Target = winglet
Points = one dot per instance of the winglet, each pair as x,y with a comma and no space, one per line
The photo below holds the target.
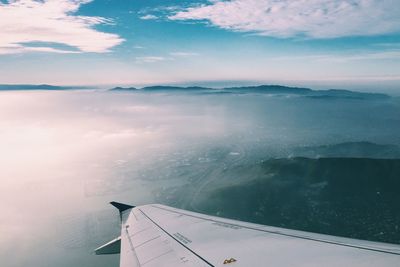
112,247
121,207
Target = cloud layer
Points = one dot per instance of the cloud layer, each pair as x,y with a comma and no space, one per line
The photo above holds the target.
304,18
47,22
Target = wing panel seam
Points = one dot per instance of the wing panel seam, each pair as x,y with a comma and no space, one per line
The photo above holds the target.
176,239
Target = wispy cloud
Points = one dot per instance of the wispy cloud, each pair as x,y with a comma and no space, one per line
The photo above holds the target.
385,55
148,17
343,58
183,54
51,21
168,57
22,49
293,18
151,59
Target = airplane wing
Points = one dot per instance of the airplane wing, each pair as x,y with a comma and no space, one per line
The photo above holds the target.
158,235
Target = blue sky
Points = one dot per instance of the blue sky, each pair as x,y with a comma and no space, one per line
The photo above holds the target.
334,43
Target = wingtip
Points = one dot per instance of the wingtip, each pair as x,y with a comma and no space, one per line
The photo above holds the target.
121,206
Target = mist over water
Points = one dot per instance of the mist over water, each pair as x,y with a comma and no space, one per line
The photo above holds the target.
66,154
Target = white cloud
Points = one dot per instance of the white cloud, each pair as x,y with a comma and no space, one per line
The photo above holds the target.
51,22
292,18
148,17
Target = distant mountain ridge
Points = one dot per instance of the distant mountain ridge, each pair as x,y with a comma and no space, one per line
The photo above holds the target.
262,89
278,89
37,87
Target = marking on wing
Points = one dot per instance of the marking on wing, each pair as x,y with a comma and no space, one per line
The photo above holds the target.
228,261
283,234
227,225
177,240
182,238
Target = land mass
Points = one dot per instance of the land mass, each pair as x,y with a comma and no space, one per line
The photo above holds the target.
262,89
349,150
352,197
349,189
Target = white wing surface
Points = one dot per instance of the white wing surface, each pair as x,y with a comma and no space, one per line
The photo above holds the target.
157,235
